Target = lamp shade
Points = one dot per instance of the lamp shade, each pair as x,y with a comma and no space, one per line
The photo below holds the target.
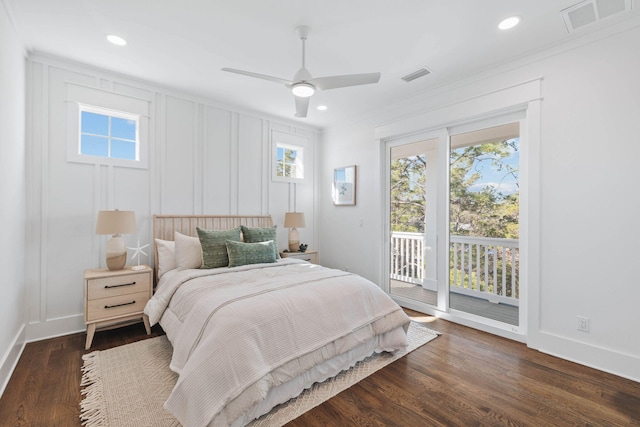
116,222
294,220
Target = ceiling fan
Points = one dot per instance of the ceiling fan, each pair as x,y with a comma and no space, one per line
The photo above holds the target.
303,85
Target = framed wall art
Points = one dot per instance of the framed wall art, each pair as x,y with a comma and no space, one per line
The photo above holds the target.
344,186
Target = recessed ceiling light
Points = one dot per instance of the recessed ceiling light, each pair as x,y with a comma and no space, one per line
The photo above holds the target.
117,40
510,22
322,107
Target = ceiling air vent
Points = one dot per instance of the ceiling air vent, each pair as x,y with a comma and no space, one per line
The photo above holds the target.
416,74
589,11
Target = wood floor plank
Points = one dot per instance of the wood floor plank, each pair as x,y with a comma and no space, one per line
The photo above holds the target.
24,386
464,377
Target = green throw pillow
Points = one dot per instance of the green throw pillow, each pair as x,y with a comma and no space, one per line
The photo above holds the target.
250,253
214,249
260,234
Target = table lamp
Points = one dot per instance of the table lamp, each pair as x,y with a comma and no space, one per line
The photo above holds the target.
294,220
116,223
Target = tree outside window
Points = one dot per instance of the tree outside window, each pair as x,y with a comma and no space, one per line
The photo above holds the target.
289,164
484,188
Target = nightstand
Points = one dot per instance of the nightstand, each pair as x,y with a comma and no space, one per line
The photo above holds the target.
114,298
310,256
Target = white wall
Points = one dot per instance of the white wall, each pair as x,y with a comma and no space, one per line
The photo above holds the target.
352,239
589,201
12,196
204,158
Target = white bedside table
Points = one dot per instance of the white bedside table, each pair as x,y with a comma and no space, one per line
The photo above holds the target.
114,298
310,256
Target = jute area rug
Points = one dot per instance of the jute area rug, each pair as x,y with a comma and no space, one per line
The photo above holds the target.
126,386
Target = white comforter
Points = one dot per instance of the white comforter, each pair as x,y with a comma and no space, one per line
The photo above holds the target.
239,332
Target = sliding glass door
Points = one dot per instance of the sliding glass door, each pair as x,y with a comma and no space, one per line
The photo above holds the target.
484,222
412,174
453,222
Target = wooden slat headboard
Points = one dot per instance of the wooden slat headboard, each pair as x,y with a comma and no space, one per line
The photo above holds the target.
164,226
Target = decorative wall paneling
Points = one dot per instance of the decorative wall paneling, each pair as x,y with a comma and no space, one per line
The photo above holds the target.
203,158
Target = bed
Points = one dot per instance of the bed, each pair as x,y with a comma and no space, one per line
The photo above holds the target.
251,334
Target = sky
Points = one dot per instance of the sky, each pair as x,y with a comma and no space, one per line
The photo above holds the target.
506,184
107,136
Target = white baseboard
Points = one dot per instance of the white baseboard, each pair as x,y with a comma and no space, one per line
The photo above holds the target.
51,328
603,359
11,357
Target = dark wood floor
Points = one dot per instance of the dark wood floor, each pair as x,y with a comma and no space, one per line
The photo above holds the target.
463,378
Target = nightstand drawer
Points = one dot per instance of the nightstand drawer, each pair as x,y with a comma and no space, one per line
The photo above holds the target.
116,306
304,257
309,256
118,285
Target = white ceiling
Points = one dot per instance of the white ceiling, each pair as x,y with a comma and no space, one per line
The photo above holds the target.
183,44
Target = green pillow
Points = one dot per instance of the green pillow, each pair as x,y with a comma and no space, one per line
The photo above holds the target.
250,253
214,249
260,234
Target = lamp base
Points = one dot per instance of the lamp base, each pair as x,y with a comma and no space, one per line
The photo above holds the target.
294,245
294,240
116,253
116,261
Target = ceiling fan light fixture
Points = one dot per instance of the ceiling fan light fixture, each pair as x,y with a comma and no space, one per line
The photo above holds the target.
304,85
303,90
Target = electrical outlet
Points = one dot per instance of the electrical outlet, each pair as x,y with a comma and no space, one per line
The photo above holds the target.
584,323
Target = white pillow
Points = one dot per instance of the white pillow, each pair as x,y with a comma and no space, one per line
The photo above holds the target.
166,256
188,252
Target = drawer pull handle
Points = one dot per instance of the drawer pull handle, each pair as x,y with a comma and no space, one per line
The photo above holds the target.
117,286
119,305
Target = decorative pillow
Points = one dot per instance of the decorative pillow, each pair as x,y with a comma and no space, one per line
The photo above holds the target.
250,253
214,250
166,250
260,234
188,252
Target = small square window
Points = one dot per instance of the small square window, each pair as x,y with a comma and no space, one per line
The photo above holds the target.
287,159
109,134
106,128
289,162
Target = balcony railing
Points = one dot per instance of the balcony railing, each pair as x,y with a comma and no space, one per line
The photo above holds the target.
407,257
486,266
481,267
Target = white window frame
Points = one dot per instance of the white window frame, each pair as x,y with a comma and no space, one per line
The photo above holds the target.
289,142
83,98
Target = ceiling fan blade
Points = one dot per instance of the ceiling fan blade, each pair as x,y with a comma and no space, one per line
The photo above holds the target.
259,76
334,82
302,106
